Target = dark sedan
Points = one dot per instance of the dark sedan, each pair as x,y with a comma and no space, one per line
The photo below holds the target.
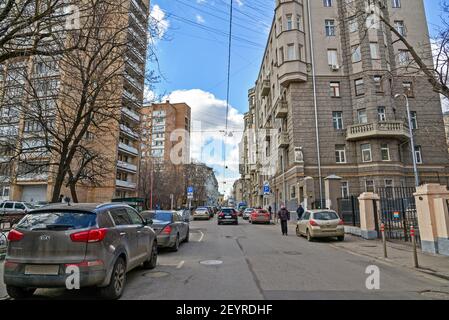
171,227
228,215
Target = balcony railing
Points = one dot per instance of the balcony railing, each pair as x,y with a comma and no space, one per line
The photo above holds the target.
383,129
128,149
125,184
281,110
126,166
129,132
266,88
283,140
292,71
131,114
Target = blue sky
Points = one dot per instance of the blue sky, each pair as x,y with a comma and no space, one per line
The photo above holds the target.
193,61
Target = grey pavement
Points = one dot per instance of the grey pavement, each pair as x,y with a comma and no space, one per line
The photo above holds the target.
259,263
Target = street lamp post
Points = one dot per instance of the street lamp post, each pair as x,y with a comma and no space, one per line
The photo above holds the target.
412,140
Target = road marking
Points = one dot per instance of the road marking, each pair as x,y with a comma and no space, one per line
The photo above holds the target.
179,266
202,236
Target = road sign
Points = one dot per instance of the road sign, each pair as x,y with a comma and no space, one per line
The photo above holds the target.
266,189
190,193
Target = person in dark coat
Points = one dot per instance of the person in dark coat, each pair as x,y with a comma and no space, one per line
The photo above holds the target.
300,212
284,216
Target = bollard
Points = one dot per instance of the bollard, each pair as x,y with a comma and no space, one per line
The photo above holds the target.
415,252
384,240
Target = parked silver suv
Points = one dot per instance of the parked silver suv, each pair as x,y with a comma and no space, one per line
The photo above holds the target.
15,207
103,241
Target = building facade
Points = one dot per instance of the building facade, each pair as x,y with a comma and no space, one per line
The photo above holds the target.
324,108
121,146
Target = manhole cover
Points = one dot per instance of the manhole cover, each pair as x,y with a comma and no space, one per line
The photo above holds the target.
211,262
292,253
436,294
157,274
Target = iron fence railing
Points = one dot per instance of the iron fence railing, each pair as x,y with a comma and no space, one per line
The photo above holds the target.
348,209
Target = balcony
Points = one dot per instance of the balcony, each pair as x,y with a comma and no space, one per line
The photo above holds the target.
126,166
281,109
265,88
131,114
128,149
386,129
128,132
32,177
125,184
283,140
292,71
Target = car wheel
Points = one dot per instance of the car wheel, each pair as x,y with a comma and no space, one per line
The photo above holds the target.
175,247
19,293
152,262
187,239
117,284
341,238
309,237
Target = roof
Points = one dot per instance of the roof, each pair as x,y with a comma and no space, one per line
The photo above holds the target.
320,210
79,206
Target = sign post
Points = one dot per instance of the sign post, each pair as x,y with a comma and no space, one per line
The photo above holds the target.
190,195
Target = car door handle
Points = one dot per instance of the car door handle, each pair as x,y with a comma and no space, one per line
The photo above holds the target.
140,231
122,234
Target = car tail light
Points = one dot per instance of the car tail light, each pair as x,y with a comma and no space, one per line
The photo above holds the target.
341,222
94,263
314,223
166,230
15,235
266,214
95,235
10,265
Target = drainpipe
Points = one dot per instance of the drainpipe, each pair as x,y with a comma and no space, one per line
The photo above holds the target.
315,102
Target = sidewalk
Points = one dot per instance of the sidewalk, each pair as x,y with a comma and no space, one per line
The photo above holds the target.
399,253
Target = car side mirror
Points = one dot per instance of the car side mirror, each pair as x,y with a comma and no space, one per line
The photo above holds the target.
148,222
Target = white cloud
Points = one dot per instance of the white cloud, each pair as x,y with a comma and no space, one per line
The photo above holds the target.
208,126
159,21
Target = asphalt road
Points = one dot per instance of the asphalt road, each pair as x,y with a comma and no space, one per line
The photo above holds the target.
257,262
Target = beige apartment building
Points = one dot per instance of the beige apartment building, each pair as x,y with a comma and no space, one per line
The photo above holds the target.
121,146
323,109
166,132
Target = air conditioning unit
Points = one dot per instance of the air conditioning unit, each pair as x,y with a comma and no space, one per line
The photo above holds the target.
335,67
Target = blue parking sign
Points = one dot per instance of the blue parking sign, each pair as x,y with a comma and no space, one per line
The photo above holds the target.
190,190
266,189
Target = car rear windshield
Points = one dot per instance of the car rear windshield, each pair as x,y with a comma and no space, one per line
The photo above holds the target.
62,220
163,216
227,211
262,211
325,215
201,209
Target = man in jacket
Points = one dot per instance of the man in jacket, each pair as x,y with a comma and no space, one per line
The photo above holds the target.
284,216
300,212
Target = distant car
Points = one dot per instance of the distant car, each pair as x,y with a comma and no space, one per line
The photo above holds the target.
15,207
260,216
171,227
201,213
320,224
41,204
228,215
104,241
247,213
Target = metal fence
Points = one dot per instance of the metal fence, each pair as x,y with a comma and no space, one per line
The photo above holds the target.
398,213
348,209
319,204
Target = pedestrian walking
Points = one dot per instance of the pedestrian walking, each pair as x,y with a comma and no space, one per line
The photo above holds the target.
270,211
284,216
300,211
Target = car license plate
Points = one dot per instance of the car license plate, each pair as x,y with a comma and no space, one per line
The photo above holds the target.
228,217
45,270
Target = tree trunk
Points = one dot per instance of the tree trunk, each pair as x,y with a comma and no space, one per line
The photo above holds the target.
73,192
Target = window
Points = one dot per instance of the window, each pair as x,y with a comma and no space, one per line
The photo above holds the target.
359,87
366,153
120,217
356,54
414,119
327,3
332,57
292,192
335,89
280,25
389,183
403,57
345,189
340,154
381,114
291,52
298,22
337,119
418,154
330,27
281,55
135,218
369,186
385,152
361,116
378,84
374,49
400,27
396,3
289,22
353,25
408,89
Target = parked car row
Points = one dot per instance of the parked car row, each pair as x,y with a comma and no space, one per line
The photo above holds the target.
103,241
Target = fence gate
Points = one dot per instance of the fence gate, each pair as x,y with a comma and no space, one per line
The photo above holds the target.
348,208
398,212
